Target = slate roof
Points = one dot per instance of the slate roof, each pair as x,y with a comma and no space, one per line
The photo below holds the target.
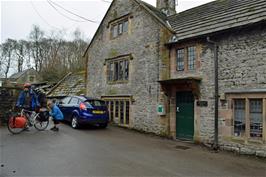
71,84
156,11
217,16
19,74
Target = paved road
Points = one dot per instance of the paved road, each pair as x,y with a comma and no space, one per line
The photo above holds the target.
114,152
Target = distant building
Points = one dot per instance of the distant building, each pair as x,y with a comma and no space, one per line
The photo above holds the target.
26,76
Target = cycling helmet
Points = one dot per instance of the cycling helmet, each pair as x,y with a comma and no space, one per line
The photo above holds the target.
27,85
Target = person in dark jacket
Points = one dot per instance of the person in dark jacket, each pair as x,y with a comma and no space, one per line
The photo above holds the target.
56,114
28,99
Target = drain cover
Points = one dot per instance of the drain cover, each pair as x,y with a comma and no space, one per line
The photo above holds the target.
182,147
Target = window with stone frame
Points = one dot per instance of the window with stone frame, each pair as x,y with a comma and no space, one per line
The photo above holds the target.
118,70
118,109
186,58
119,28
254,125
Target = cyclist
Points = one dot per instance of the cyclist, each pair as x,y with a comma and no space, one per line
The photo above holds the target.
28,99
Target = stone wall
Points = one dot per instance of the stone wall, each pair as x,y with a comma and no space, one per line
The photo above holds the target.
242,66
8,98
143,43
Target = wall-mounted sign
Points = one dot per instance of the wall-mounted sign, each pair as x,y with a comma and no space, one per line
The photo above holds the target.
202,103
160,110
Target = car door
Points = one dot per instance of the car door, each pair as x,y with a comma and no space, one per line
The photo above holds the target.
63,104
67,109
73,105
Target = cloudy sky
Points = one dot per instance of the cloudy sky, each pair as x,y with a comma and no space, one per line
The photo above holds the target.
17,17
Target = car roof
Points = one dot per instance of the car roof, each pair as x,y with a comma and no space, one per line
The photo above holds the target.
86,98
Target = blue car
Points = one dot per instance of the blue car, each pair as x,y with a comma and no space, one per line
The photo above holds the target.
81,110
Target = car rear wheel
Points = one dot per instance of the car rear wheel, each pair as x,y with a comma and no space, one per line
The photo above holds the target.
74,122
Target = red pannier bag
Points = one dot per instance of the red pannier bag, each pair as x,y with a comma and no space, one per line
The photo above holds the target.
18,122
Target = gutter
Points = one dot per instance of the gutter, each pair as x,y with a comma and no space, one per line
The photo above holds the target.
216,94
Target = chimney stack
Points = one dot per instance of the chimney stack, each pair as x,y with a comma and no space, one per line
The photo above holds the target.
167,6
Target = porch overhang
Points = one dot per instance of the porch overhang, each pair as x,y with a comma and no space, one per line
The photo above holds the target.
180,80
182,84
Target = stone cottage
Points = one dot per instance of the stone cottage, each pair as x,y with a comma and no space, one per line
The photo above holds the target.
123,62
197,75
26,76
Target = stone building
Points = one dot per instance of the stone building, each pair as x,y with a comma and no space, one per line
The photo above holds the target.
167,60
124,58
26,76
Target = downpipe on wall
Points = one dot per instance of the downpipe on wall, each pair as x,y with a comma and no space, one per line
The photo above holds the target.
216,94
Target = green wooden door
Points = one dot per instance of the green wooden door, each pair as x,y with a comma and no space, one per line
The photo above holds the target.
184,115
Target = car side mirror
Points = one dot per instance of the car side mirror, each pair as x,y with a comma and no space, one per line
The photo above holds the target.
60,103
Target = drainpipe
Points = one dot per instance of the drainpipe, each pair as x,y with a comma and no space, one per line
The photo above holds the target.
216,94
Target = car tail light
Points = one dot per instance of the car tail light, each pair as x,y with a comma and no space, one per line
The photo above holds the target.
82,106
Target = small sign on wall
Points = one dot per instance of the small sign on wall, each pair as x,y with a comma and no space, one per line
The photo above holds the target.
161,110
202,103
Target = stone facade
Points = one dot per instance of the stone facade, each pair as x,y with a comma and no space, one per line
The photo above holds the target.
242,67
26,76
152,49
145,43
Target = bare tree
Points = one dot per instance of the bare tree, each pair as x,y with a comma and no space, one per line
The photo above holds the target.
6,56
36,35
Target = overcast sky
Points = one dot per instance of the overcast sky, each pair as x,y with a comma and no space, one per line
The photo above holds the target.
17,17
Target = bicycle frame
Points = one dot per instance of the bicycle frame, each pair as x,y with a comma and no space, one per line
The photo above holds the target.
29,116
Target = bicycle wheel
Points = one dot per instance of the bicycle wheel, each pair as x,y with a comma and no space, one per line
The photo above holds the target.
12,128
40,125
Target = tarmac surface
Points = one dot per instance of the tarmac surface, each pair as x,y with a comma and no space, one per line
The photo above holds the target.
114,152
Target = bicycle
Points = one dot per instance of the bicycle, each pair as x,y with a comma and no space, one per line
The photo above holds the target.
31,118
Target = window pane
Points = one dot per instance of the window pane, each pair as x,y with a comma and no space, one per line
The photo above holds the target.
121,112
66,100
111,110
239,117
180,59
74,101
116,70
115,31
126,69
121,68
255,107
191,58
95,102
120,28
109,71
125,26
127,112
116,108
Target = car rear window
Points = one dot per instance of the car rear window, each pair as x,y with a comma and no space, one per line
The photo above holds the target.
96,102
